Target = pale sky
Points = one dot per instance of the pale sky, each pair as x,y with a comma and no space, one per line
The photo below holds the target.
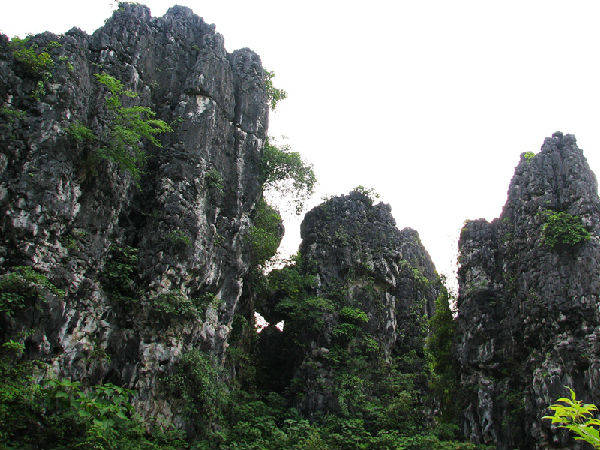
429,102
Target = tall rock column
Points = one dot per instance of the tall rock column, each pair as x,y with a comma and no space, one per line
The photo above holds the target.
362,317
528,306
151,267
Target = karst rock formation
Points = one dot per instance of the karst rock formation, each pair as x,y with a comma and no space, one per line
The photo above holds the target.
360,265
528,316
181,230
130,273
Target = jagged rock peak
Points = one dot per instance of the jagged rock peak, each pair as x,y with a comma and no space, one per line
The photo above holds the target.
364,230
363,265
528,316
178,235
557,178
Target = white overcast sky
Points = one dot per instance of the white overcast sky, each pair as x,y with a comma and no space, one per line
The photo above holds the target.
429,102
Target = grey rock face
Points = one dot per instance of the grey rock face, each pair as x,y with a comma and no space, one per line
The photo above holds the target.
528,313
187,220
361,260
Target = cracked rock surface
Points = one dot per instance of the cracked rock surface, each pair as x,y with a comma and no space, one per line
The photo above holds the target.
359,260
528,315
186,221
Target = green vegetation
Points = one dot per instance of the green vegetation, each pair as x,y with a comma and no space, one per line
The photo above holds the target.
353,315
80,132
36,62
274,94
22,288
528,155
121,282
214,180
175,305
179,239
224,416
197,385
561,229
39,91
373,401
12,114
284,171
61,414
578,418
126,128
119,277
265,234
445,379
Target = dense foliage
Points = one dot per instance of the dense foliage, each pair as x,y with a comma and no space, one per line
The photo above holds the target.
285,172
23,288
61,414
561,229
265,234
126,127
36,63
373,402
578,418
440,344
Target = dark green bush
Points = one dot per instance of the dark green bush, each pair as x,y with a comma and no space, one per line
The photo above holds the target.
12,114
214,180
440,341
120,277
126,128
353,315
197,384
180,239
61,414
37,62
265,234
24,287
175,305
285,172
561,229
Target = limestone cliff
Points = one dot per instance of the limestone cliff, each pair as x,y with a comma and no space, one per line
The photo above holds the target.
175,243
107,276
528,313
362,317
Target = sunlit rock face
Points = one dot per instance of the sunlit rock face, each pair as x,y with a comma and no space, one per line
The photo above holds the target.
68,217
360,261
528,312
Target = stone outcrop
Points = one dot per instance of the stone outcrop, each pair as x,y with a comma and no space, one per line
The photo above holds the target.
528,314
112,278
85,224
359,262
353,243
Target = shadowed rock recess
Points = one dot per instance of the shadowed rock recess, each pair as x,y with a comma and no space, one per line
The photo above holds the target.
175,241
528,314
151,282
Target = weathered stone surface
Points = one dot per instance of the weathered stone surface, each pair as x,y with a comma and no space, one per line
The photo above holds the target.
63,219
528,314
359,259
